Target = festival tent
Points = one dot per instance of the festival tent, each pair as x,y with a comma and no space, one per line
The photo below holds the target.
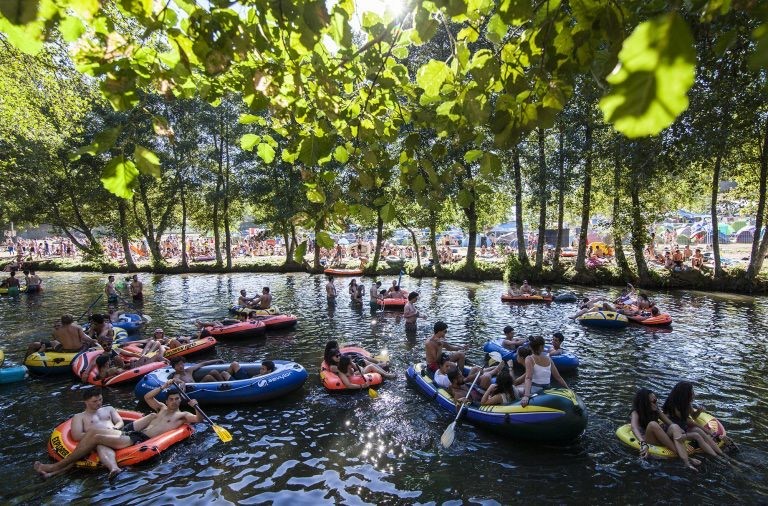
683,239
504,228
746,234
508,239
738,225
725,228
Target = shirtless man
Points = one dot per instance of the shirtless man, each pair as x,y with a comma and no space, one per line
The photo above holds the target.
185,374
434,348
67,337
398,293
510,341
375,295
168,417
526,289
244,300
410,313
98,416
100,327
330,290
34,283
109,290
137,289
265,301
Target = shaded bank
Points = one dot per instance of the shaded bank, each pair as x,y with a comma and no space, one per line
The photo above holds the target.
734,279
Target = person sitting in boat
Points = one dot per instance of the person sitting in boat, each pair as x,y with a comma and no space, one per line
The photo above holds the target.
67,337
244,300
539,371
100,327
511,342
185,374
651,426
459,387
627,296
557,343
644,303
434,348
167,417
236,373
526,289
392,288
398,293
501,392
547,292
264,301
441,375
679,409
596,307
347,369
513,290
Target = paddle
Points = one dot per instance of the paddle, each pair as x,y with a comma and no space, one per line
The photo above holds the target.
89,308
145,317
223,433
449,435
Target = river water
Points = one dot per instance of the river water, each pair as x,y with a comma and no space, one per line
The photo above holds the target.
313,447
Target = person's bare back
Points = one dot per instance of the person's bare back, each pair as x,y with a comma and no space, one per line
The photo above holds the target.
71,337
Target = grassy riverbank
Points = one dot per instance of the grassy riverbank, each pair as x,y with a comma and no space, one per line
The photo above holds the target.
733,281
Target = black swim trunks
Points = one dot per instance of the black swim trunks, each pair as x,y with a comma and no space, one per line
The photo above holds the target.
136,435
240,374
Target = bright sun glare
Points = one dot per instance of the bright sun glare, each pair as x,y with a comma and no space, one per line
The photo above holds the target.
393,7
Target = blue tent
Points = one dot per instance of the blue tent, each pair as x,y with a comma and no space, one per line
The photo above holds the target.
504,228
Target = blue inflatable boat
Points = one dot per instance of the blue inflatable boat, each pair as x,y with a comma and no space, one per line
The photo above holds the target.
287,377
12,374
565,362
130,322
566,297
555,415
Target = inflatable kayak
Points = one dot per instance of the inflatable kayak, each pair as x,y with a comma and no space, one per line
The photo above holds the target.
626,436
565,297
277,322
287,377
565,362
331,380
505,297
192,347
83,360
250,311
130,322
61,444
12,374
662,319
344,272
50,362
239,330
555,415
604,320
392,304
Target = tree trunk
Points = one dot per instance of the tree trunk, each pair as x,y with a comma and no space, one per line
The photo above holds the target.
318,228
638,232
560,198
149,229
413,239
183,198
522,253
288,247
758,247
433,241
471,214
542,202
227,232
124,240
379,233
618,247
713,213
586,200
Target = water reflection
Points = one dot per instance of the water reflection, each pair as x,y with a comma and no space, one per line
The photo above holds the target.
318,447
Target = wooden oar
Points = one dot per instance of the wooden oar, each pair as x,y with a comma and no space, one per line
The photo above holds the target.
223,433
449,435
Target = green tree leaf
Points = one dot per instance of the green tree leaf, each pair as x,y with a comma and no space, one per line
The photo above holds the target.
248,141
431,76
147,161
388,212
118,176
266,152
324,240
340,154
650,85
301,250
472,155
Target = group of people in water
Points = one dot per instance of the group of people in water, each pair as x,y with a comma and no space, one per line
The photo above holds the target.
629,303
32,281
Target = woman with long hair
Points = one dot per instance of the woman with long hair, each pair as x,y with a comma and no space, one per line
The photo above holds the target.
678,407
539,371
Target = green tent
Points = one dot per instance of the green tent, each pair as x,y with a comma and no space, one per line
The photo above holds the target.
725,228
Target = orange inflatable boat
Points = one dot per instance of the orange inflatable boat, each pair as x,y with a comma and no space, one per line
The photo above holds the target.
82,361
61,444
331,380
